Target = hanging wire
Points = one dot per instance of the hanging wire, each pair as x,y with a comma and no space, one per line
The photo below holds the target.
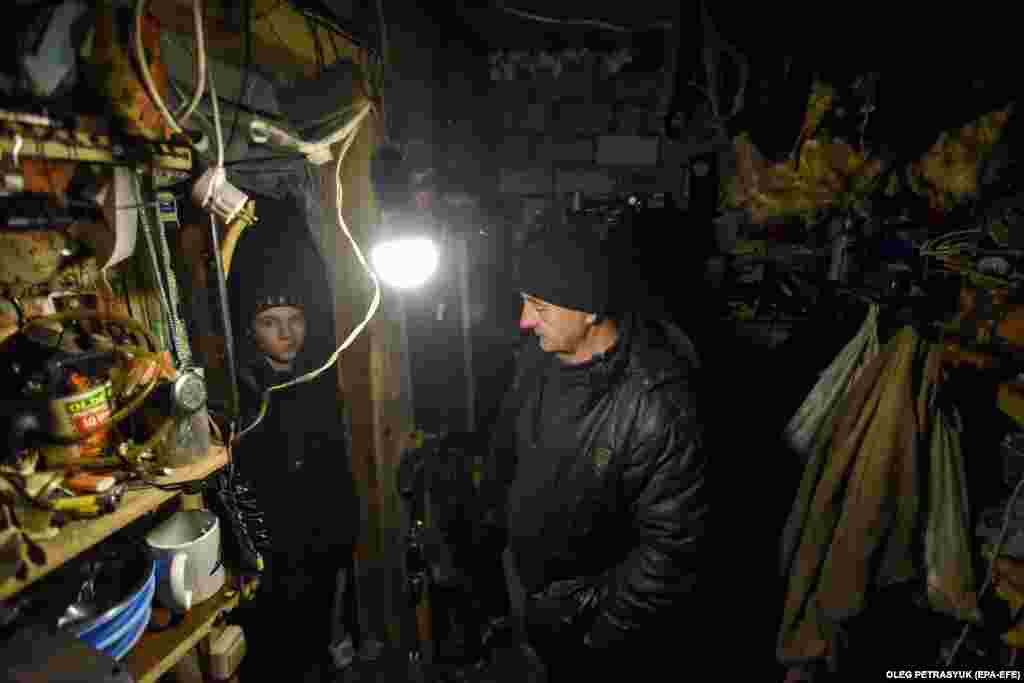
378,78
595,23
317,48
374,303
330,24
243,95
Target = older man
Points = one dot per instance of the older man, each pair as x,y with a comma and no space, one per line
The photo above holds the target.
595,478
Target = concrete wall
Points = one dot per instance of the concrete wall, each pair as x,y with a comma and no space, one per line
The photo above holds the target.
584,128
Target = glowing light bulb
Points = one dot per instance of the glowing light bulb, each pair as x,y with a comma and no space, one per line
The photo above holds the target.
405,263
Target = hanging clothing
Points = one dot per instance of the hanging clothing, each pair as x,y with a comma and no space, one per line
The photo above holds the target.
818,409
856,523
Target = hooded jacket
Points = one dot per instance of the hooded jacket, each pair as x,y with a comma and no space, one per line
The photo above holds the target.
298,456
297,459
623,512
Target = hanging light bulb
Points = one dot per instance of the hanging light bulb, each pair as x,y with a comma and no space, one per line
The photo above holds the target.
405,255
405,262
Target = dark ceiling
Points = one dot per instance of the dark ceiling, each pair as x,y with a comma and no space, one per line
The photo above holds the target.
867,33
938,68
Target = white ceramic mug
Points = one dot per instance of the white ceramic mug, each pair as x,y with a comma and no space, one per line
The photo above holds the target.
187,550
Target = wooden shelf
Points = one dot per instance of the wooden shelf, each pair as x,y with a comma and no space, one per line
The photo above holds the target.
78,536
158,651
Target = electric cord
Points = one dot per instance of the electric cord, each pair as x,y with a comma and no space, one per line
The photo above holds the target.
383,58
216,121
219,262
147,77
222,299
330,24
383,31
595,23
371,311
954,248
199,66
264,132
317,46
244,93
265,160
240,106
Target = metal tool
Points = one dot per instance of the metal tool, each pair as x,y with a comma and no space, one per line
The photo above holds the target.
90,505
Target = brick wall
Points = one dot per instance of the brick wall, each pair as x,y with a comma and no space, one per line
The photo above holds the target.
581,130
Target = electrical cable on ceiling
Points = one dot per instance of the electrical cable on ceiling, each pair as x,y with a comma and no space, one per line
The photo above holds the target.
596,23
147,77
383,31
319,151
383,59
348,133
334,46
330,23
265,160
243,95
252,111
199,65
318,48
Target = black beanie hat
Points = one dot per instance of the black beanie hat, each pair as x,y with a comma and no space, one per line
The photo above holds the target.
568,266
273,265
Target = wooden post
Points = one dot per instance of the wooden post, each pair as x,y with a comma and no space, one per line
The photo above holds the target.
370,375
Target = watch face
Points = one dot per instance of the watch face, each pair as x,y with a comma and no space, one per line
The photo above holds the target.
190,392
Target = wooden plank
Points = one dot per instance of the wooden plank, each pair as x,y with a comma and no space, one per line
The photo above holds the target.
370,374
158,651
33,143
78,536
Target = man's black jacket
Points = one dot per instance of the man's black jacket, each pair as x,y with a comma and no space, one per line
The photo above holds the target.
631,494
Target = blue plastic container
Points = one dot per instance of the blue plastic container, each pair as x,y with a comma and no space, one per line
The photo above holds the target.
106,632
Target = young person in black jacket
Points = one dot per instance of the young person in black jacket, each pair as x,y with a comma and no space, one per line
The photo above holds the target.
297,461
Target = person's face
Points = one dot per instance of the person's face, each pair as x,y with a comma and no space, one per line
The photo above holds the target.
559,330
280,332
